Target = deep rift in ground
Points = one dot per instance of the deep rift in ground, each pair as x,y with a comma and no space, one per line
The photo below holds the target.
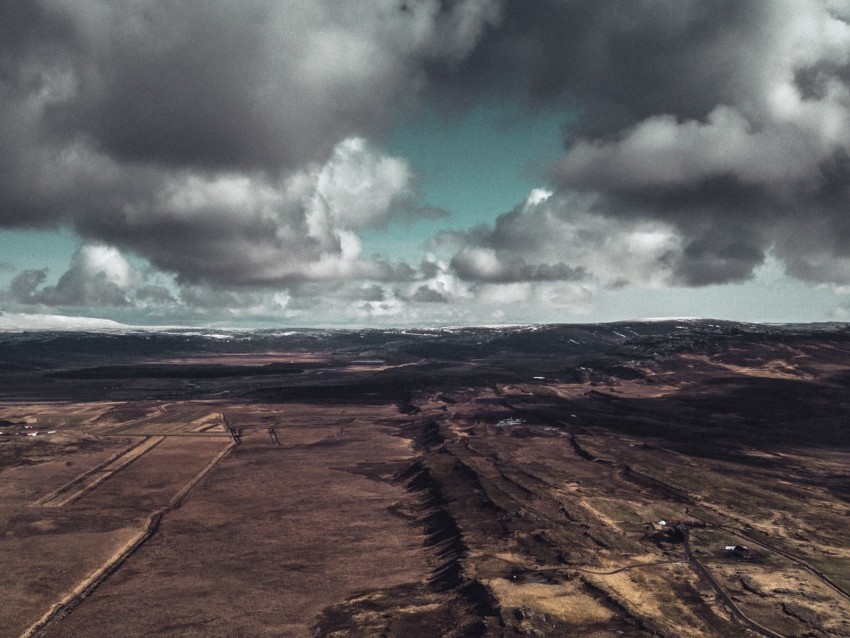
467,496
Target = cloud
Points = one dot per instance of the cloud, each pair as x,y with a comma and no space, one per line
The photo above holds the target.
727,122
98,276
225,143
157,296
483,264
237,148
240,229
623,61
424,294
25,283
262,84
560,239
248,228
100,280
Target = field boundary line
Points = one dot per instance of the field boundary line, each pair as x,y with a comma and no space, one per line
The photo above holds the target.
77,595
81,477
234,434
177,500
702,570
273,436
624,569
122,463
80,592
118,428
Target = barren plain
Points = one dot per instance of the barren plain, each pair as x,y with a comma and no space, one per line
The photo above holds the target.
675,479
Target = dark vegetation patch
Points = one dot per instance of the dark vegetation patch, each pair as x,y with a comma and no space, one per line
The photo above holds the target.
353,393
715,417
180,371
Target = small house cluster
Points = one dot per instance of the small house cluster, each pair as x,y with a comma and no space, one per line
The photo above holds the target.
738,551
671,531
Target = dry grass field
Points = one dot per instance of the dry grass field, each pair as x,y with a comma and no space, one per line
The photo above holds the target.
373,496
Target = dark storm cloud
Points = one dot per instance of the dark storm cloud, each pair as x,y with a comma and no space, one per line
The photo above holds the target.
424,294
156,295
726,121
225,142
85,283
228,143
719,261
561,238
486,267
617,61
255,83
25,283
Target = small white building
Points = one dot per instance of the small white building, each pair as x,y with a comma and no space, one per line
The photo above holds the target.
738,551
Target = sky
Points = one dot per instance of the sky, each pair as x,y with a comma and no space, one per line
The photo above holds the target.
424,162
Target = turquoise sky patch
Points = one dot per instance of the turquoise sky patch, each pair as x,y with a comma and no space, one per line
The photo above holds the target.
36,249
475,168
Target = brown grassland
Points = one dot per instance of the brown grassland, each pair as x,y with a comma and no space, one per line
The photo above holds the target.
586,503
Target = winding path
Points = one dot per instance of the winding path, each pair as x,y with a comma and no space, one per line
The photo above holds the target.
706,575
